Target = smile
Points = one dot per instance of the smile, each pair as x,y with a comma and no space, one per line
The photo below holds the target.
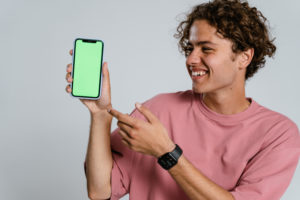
199,73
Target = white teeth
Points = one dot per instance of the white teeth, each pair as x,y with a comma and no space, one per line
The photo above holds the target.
200,73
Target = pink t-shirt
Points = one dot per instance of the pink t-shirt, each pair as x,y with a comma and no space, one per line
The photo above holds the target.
252,154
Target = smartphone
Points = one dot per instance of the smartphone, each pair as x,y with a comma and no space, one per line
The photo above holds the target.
87,68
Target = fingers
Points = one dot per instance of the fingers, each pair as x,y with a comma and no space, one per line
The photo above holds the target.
124,135
123,117
68,89
146,112
125,143
69,67
125,128
68,75
69,78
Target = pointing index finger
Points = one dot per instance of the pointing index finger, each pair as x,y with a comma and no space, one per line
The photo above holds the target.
122,117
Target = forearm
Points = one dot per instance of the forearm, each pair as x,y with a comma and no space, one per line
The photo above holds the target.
195,184
99,157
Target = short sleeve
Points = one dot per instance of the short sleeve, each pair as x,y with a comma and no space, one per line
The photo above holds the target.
123,162
269,173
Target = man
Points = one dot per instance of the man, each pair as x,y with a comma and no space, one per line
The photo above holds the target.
210,142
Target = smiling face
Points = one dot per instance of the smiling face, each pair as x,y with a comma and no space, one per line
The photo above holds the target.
210,52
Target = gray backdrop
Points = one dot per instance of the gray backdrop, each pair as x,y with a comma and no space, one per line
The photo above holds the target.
44,132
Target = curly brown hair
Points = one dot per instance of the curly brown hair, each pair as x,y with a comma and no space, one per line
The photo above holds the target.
237,21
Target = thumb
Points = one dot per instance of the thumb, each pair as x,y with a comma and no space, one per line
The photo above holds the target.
105,71
106,78
146,112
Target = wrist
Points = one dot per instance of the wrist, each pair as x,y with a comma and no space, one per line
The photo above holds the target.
165,149
101,114
101,110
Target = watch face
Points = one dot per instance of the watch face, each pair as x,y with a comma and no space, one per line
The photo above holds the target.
167,161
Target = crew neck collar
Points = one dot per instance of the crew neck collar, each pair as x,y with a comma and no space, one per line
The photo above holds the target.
222,117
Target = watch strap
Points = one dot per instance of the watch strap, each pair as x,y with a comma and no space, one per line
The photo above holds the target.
176,153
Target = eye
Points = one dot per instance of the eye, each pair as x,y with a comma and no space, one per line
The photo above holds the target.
189,50
206,49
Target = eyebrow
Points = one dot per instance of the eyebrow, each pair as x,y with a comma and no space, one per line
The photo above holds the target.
198,43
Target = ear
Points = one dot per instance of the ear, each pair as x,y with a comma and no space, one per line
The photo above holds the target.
246,57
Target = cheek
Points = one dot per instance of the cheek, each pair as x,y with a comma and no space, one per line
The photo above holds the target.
218,65
214,63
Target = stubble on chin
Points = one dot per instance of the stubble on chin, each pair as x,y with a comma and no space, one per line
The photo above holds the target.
196,89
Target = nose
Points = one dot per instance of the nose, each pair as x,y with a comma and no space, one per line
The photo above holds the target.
194,58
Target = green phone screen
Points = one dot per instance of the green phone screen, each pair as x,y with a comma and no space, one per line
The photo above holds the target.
87,64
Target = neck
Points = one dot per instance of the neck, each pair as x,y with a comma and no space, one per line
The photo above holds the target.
226,103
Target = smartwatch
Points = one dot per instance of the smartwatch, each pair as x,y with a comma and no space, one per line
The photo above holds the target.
170,159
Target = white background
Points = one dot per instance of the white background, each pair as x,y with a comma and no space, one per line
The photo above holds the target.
44,131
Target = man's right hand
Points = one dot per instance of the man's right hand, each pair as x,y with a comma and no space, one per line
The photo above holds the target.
101,104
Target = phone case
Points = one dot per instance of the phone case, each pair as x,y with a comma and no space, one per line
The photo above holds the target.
101,75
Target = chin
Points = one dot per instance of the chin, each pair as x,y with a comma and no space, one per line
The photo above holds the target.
197,90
